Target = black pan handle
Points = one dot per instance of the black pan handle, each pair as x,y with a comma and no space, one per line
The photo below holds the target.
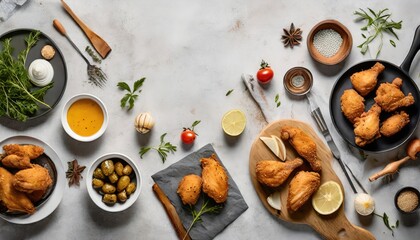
415,46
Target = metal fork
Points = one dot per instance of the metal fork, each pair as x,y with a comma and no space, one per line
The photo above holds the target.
96,75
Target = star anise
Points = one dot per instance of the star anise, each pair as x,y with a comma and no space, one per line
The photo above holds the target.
74,172
292,36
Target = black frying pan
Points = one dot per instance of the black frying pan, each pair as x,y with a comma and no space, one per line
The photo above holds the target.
345,128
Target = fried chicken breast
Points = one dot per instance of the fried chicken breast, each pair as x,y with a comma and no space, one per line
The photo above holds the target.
352,104
189,189
16,161
390,97
394,124
304,145
12,199
215,179
274,173
301,188
367,126
365,81
32,179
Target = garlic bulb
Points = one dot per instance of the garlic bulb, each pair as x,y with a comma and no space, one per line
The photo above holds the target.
144,122
41,72
364,204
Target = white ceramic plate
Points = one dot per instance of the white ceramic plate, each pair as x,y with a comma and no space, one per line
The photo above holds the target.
54,199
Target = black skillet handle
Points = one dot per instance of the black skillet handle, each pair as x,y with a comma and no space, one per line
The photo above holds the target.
415,47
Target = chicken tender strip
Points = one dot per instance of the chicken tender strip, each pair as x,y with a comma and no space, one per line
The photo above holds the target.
32,151
274,173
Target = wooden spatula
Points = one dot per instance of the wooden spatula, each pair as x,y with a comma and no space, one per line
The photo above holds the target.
97,42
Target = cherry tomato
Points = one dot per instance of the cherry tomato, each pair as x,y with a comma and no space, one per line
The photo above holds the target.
265,73
188,136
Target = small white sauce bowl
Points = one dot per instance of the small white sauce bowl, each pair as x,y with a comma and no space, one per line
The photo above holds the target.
66,125
97,198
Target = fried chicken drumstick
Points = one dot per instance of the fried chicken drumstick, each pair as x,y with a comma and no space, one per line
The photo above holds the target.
390,97
273,173
365,81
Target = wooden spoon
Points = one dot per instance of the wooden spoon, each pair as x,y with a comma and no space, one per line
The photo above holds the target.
412,149
97,42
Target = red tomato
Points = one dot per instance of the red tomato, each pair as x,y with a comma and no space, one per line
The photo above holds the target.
265,73
188,136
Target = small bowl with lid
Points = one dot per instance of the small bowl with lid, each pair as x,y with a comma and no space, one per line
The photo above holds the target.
84,117
406,200
329,42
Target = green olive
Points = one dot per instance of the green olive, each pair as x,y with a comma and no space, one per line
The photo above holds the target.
108,188
98,174
109,199
123,183
107,167
119,168
97,183
113,178
130,188
122,196
127,170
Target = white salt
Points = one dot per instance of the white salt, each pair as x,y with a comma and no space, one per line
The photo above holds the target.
327,42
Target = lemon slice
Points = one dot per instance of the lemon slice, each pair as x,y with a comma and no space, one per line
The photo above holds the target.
328,198
364,204
274,200
233,122
276,145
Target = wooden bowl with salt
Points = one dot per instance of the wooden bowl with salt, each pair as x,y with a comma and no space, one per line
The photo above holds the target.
329,42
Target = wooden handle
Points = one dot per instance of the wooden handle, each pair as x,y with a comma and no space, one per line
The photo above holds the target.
57,24
81,24
170,210
389,169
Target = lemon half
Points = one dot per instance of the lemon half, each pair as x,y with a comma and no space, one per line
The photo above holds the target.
234,122
328,198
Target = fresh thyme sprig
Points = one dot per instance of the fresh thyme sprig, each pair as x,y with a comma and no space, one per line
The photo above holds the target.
378,23
131,96
163,149
385,218
205,208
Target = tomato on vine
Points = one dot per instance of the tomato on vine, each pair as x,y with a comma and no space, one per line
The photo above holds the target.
188,135
265,73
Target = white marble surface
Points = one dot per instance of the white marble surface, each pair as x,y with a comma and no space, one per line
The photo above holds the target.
192,53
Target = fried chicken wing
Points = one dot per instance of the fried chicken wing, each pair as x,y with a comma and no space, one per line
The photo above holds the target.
189,189
352,104
301,188
394,124
32,179
12,199
32,151
367,126
274,173
17,161
365,81
304,145
390,97
215,179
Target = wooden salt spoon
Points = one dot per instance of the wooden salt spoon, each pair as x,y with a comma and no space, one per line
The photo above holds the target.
97,42
413,148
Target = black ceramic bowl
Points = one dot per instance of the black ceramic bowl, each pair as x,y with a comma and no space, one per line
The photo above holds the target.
403,190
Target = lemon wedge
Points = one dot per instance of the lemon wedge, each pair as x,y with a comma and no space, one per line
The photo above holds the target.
328,198
274,200
275,144
233,122
364,204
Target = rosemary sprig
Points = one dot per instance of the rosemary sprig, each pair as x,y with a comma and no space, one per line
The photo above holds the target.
163,149
379,23
205,208
385,218
131,96
92,54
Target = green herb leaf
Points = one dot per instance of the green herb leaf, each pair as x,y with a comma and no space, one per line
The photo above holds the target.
163,149
378,23
276,98
229,92
131,96
392,43
278,104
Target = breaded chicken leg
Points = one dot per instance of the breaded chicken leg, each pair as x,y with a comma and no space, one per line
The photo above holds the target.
366,127
352,104
274,173
394,124
365,81
304,145
390,97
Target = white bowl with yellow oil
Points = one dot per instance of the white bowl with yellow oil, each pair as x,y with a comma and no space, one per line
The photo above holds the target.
84,117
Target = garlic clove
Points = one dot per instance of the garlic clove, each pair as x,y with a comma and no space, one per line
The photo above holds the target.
144,122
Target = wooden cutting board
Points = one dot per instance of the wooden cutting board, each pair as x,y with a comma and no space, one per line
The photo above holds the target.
334,226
